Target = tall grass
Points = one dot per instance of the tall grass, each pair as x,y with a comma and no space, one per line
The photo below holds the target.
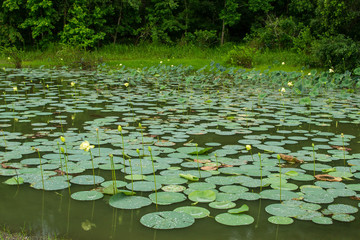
150,54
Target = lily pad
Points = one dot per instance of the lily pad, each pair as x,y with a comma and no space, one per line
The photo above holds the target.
87,195
202,196
234,219
222,205
123,201
280,220
167,198
167,220
194,211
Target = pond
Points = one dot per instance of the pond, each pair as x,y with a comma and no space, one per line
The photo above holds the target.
231,159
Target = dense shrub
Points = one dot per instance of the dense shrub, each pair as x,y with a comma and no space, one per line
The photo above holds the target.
338,52
241,56
277,33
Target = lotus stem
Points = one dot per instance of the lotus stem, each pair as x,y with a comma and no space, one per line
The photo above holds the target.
141,170
61,164
313,147
260,172
92,163
132,180
123,145
197,159
142,138
41,169
279,158
152,161
113,175
98,139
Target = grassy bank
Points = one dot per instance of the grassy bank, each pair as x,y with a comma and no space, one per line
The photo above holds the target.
7,234
147,55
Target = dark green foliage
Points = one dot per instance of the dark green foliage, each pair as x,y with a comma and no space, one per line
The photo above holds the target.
268,24
13,55
241,56
338,52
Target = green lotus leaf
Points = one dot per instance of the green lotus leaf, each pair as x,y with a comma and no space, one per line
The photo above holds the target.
234,219
167,220
196,212
202,196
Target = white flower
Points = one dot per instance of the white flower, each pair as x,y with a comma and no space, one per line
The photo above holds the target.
120,64
160,62
86,146
290,84
283,63
72,84
331,70
15,89
309,73
282,90
8,58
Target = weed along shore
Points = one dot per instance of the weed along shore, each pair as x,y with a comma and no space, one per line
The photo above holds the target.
115,152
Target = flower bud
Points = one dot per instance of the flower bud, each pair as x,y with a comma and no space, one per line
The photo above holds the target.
62,139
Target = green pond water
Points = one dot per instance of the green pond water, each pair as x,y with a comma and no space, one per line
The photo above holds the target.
178,120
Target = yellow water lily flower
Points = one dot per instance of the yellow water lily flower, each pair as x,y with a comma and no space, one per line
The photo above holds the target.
248,147
290,84
86,146
126,84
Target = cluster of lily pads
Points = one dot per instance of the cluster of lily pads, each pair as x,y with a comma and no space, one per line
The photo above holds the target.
140,138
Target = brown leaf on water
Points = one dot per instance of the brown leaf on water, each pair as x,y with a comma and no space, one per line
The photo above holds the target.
3,165
209,168
202,160
59,172
328,178
355,198
290,158
341,148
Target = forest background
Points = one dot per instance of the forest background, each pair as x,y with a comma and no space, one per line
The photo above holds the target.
310,33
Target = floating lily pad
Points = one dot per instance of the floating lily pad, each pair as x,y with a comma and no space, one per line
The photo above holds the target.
284,210
167,220
322,220
51,184
167,198
194,211
342,208
87,180
342,217
123,201
280,220
87,195
222,205
173,188
234,219
202,196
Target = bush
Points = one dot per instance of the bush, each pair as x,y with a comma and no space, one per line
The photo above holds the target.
338,52
13,55
277,33
241,56
205,38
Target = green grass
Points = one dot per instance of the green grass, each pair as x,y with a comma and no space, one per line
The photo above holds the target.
146,55
22,234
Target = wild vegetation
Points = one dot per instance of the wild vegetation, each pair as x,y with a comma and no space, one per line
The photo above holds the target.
323,33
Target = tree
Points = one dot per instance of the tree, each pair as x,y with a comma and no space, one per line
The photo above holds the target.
41,19
229,16
79,31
